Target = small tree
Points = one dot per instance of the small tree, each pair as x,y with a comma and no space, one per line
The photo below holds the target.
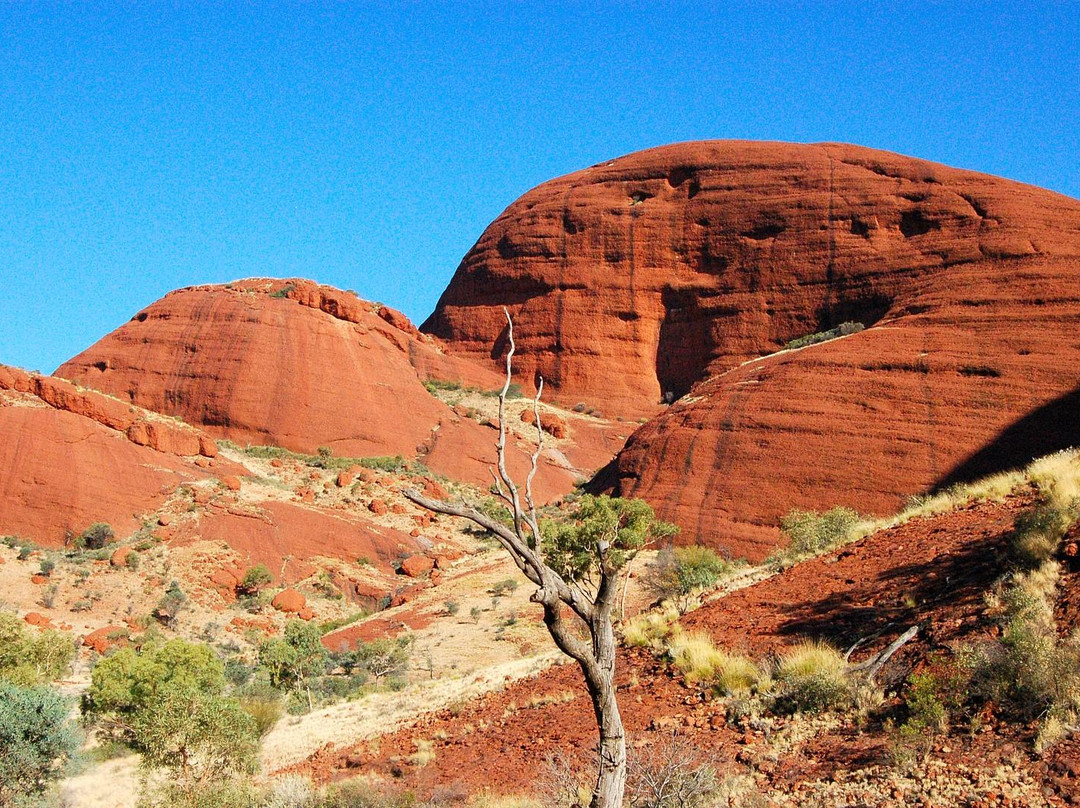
35,736
255,579
168,702
95,537
575,566
295,657
384,657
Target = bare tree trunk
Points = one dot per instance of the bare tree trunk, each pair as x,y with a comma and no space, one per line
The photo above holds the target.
611,774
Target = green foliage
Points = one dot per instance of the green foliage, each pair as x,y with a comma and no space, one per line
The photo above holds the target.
171,604
28,657
255,579
35,739
812,532
47,566
168,702
683,571
841,330
263,704
384,658
503,588
443,385
295,656
94,537
602,535
283,291
451,607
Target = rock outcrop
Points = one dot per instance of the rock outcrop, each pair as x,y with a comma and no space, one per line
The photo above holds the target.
288,363
68,458
686,269
303,366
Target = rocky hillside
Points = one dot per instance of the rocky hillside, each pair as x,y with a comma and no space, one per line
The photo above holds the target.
683,271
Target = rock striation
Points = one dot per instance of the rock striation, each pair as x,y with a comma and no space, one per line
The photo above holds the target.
680,273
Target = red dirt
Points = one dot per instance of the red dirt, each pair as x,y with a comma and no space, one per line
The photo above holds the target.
653,272
280,530
930,572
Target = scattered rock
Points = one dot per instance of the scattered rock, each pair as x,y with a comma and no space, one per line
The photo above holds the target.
289,601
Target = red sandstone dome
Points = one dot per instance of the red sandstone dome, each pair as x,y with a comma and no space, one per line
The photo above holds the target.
684,270
298,365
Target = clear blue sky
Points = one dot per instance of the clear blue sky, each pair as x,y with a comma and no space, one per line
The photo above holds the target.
145,146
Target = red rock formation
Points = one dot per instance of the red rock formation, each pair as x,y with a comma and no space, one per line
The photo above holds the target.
298,365
67,459
288,363
107,637
657,271
289,600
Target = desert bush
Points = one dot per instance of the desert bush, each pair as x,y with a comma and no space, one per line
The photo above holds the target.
672,774
738,675
35,739
1038,530
218,793
167,702
290,791
94,537
451,607
28,657
811,532
811,678
255,578
295,658
171,604
681,572
841,330
263,704
695,656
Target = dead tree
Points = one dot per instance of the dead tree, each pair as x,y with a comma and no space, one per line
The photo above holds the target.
575,569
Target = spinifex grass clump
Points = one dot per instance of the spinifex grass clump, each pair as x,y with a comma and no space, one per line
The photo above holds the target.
811,678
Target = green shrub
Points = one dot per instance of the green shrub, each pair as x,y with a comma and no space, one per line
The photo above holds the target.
264,707
171,604
1037,532
35,739
94,537
681,572
811,532
255,579
28,657
168,702
841,330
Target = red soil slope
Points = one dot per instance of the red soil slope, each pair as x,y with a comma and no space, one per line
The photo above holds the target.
651,273
298,365
930,572
72,457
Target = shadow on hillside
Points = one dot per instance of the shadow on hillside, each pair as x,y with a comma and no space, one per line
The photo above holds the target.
946,587
1048,429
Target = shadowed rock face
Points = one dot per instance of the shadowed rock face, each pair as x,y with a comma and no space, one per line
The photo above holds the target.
667,271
